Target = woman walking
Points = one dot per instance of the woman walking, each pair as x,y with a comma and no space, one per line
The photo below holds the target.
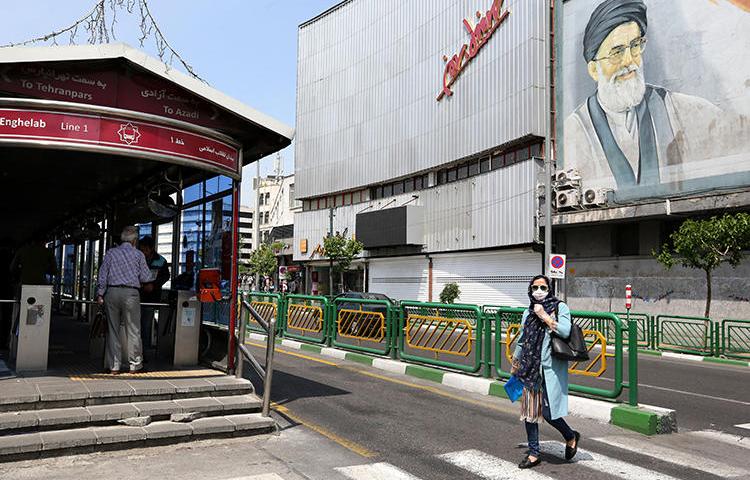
544,378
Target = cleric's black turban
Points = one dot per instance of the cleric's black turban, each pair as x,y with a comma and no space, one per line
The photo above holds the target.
609,15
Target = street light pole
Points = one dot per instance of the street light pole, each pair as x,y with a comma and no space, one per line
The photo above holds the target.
256,219
548,138
330,260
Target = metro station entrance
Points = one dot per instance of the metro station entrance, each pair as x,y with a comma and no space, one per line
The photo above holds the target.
96,138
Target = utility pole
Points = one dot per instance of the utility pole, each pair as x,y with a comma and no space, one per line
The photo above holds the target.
256,219
548,138
330,260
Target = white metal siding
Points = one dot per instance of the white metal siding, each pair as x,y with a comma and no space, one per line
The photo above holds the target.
403,278
494,209
368,77
487,278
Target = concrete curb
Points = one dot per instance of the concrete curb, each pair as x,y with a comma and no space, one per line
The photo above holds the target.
644,419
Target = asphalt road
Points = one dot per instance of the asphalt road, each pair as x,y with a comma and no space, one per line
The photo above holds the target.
412,424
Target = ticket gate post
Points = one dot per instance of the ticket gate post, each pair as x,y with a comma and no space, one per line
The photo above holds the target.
30,337
187,327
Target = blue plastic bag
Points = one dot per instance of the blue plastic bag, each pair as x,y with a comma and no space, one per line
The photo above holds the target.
514,388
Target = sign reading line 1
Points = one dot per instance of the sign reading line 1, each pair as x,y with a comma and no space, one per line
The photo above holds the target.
127,135
480,34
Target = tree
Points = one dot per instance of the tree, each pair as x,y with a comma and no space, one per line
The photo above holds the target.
450,293
263,261
341,250
706,244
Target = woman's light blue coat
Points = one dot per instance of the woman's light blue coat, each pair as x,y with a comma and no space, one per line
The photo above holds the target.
555,371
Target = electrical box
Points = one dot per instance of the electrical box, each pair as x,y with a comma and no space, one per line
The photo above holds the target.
209,280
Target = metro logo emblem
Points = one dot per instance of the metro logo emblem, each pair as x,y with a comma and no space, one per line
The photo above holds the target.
129,133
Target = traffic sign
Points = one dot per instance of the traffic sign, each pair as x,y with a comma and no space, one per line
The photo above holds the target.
557,265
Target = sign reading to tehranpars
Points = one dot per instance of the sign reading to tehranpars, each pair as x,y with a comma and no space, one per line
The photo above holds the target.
557,264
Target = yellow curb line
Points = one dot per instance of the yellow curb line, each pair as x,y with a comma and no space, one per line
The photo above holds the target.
353,446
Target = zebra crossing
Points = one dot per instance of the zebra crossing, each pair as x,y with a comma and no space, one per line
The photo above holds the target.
477,464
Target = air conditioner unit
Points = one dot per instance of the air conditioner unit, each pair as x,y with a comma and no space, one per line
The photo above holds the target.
568,199
566,179
595,197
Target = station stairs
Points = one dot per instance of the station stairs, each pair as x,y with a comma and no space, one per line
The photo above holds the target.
52,416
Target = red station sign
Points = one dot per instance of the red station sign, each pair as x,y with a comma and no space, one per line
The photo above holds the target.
129,136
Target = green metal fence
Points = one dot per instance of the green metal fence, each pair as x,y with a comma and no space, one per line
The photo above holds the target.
735,338
364,325
508,320
645,328
694,335
444,335
307,318
268,306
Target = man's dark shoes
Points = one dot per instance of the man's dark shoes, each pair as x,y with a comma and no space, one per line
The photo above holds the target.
526,463
570,452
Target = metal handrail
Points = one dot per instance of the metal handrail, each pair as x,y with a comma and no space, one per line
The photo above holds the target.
245,355
9,300
94,302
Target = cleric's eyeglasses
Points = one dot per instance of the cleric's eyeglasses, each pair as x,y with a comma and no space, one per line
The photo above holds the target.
617,54
543,288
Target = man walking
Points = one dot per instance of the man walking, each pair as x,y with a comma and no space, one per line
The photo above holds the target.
121,274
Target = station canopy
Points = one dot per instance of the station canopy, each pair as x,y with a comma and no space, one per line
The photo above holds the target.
87,128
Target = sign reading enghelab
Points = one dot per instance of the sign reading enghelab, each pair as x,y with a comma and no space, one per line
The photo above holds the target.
656,95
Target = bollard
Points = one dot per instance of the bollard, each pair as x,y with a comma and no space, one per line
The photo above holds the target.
632,361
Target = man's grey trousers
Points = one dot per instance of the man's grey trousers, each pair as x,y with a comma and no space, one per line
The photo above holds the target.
123,305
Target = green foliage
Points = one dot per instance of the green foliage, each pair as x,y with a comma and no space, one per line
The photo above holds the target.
263,261
450,293
341,250
706,244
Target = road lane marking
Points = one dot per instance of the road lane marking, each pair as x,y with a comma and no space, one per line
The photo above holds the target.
727,438
604,464
348,444
490,467
648,448
263,476
295,354
375,471
720,399
746,426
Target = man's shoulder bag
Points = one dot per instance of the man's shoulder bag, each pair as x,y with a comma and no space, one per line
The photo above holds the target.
572,349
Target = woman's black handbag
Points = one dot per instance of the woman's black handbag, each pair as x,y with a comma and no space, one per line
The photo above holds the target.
573,349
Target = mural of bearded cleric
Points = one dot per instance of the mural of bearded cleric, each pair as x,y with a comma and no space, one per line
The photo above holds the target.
629,133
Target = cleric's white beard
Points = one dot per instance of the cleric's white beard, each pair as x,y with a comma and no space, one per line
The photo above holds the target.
624,95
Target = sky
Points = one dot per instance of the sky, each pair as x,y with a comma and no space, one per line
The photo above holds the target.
244,48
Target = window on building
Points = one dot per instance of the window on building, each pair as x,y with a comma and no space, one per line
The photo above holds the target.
441,177
409,185
388,190
267,217
484,165
291,195
398,188
497,161
474,168
260,199
463,171
451,175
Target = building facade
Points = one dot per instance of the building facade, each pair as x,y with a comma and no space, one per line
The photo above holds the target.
628,185
419,132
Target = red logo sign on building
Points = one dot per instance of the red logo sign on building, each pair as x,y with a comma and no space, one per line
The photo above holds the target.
480,34
129,133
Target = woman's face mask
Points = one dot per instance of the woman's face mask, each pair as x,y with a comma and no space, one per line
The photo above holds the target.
539,292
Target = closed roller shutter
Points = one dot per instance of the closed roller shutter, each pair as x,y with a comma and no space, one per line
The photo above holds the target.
403,278
487,278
